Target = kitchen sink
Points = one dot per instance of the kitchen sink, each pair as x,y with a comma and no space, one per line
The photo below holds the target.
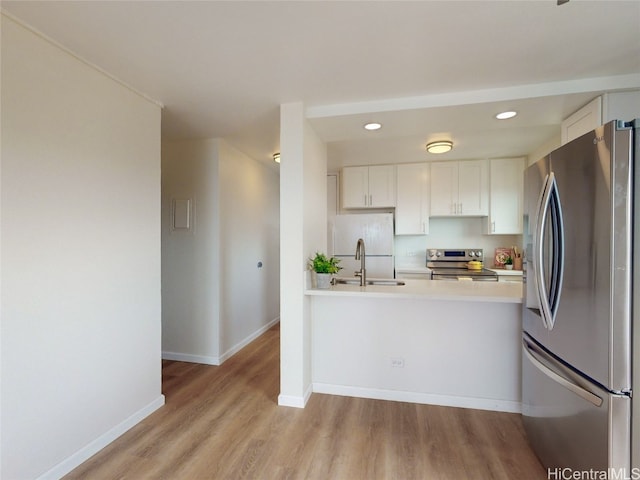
373,281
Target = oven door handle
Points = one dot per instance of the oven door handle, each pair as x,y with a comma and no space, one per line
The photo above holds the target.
464,277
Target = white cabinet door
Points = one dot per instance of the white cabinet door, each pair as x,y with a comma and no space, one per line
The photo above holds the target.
382,186
412,199
582,121
473,197
444,188
506,195
368,187
459,188
355,187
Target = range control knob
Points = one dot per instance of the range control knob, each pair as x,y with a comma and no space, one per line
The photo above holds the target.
438,254
479,253
472,254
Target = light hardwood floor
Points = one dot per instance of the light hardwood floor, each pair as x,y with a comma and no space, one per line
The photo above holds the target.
224,423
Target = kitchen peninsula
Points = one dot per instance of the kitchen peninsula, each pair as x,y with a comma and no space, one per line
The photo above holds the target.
443,343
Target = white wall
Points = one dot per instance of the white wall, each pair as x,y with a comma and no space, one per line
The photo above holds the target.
215,297
80,227
249,236
191,258
451,233
303,208
544,149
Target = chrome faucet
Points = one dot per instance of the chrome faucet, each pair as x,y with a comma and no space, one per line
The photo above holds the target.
360,255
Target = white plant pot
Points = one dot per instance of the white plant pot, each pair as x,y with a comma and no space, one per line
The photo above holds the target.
323,280
508,267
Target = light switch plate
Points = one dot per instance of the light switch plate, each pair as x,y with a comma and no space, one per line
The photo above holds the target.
181,214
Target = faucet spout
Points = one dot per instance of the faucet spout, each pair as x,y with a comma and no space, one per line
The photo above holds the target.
361,255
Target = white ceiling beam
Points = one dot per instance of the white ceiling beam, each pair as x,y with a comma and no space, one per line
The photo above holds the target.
598,84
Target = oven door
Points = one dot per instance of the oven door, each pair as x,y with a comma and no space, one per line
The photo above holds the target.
452,277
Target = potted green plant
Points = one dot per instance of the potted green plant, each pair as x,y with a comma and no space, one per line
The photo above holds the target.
324,268
508,263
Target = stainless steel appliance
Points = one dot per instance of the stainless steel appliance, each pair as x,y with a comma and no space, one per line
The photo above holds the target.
581,212
450,264
376,229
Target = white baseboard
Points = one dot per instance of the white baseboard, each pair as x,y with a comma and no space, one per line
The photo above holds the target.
239,346
424,398
212,360
102,441
187,357
297,402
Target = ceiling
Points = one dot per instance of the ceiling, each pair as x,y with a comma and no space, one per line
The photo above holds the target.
425,69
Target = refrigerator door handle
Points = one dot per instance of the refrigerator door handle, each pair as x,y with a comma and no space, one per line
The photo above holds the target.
536,259
532,355
549,203
538,251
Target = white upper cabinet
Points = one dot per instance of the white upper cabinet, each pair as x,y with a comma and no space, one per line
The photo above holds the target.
582,121
506,184
368,187
412,199
444,188
459,189
355,187
609,106
472,188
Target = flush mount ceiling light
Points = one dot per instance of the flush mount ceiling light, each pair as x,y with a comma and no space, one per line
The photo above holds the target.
441,146
506,115
373,126
276,157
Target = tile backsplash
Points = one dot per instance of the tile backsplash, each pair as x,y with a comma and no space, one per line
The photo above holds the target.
410,250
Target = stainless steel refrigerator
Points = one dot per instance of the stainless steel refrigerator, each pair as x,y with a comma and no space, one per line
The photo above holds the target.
579,346
376,229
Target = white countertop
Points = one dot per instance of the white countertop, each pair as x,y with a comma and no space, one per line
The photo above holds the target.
461,290
502,271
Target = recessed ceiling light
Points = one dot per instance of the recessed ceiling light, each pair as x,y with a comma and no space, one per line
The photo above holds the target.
506,115
276,157
441,146
373,126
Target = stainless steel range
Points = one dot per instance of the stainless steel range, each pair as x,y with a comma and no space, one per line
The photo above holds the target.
448,264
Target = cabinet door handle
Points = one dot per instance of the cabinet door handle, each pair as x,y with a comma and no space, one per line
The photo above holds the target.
493,227
460,210
365,199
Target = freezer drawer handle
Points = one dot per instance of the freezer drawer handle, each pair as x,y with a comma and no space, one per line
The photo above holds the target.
578,390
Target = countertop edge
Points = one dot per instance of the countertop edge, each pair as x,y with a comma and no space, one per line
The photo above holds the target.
383,292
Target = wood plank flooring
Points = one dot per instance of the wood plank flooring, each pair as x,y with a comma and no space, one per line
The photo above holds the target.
224,423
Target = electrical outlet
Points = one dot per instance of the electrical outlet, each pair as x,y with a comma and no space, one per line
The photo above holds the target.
397,362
